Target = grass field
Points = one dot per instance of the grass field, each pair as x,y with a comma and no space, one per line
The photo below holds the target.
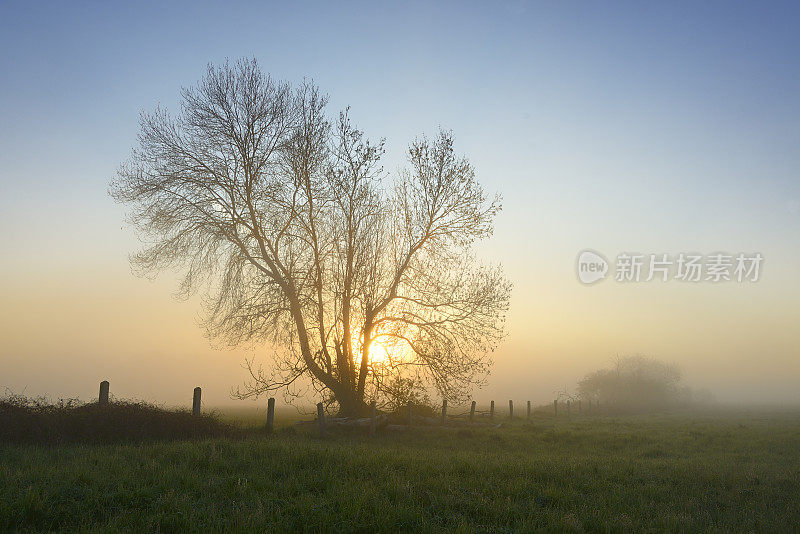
689,472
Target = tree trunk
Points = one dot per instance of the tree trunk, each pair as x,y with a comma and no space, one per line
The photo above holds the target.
349,405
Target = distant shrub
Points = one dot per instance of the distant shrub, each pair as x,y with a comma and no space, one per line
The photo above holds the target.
638,383
26,420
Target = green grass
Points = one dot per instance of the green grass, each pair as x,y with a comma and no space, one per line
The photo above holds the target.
729,472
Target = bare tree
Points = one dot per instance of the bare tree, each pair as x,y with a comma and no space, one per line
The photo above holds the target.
287,222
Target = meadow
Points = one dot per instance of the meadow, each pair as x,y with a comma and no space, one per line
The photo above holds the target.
723,471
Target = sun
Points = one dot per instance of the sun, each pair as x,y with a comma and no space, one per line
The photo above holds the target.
381,352
384,350
378,353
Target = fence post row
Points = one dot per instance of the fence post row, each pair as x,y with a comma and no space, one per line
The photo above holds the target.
103,400
270,414
196,403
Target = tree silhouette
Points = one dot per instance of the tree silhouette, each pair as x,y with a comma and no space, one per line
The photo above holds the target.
287,223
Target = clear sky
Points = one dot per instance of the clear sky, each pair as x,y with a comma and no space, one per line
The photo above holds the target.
663,128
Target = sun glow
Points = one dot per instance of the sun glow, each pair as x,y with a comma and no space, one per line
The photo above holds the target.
385,352
378,353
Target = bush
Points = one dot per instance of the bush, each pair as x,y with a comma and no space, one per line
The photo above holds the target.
636,383
25,420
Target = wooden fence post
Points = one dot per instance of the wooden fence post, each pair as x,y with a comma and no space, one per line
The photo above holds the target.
373,424
270,414
410,413
472,412
321,419
491,411
511,409
103,400
444,410
529,410
196,401
555,407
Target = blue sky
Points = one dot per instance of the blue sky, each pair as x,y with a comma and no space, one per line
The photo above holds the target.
706,89
619,126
